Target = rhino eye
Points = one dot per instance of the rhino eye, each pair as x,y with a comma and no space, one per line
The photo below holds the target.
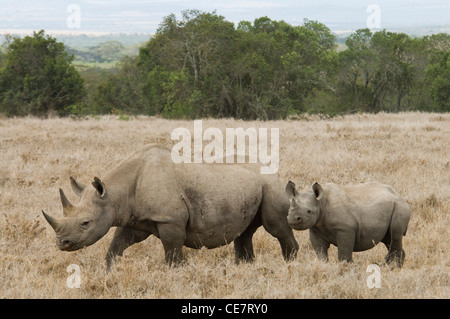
308,211
85,223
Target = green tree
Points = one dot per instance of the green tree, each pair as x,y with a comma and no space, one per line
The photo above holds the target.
202,66
395,70
357,67
281,66
438,76
38,77
379,71
437,71
186,63
121,90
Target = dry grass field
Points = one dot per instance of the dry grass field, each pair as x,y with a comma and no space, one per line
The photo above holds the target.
409,151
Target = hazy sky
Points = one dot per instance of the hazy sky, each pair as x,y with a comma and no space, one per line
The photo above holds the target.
143,16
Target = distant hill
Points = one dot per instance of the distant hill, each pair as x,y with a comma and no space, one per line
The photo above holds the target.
86,41
104,50
83,40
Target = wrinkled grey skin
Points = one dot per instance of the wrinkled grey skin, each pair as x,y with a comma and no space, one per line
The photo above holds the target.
353,218
193,205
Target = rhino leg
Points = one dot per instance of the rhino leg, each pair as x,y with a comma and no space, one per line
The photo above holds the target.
394,236
243,245
394,244
274,210
172,237
275,223
319,244
345,243
279,228
123,238
395,254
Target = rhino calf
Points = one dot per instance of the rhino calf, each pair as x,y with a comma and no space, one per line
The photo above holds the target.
353,218
194,205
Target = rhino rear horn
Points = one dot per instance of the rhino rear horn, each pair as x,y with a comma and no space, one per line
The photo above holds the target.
77,187
52,221
64,201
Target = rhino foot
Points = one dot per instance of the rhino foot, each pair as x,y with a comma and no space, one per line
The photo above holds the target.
396,257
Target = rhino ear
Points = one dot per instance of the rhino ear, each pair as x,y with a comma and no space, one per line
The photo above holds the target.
290,190
318,190
77,187
99,186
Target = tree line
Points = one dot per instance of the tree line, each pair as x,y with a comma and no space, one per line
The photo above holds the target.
204,66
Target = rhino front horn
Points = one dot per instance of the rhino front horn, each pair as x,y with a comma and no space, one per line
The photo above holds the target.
52,221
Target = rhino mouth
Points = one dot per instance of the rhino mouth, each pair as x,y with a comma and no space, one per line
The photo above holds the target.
68,245
65,245
298,225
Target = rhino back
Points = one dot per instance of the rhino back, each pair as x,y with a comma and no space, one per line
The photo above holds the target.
366,208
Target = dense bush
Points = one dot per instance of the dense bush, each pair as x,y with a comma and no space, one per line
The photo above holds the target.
37,77
205,66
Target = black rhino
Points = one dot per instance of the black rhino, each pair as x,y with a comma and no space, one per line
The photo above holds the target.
194,205
353,218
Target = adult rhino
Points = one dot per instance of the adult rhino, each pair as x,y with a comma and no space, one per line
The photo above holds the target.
353,218
195,205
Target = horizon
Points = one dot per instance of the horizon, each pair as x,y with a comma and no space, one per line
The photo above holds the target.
99,17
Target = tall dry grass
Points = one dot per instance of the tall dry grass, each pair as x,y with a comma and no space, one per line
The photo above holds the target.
409,151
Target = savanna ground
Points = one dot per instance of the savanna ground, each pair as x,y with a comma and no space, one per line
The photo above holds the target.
409,151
